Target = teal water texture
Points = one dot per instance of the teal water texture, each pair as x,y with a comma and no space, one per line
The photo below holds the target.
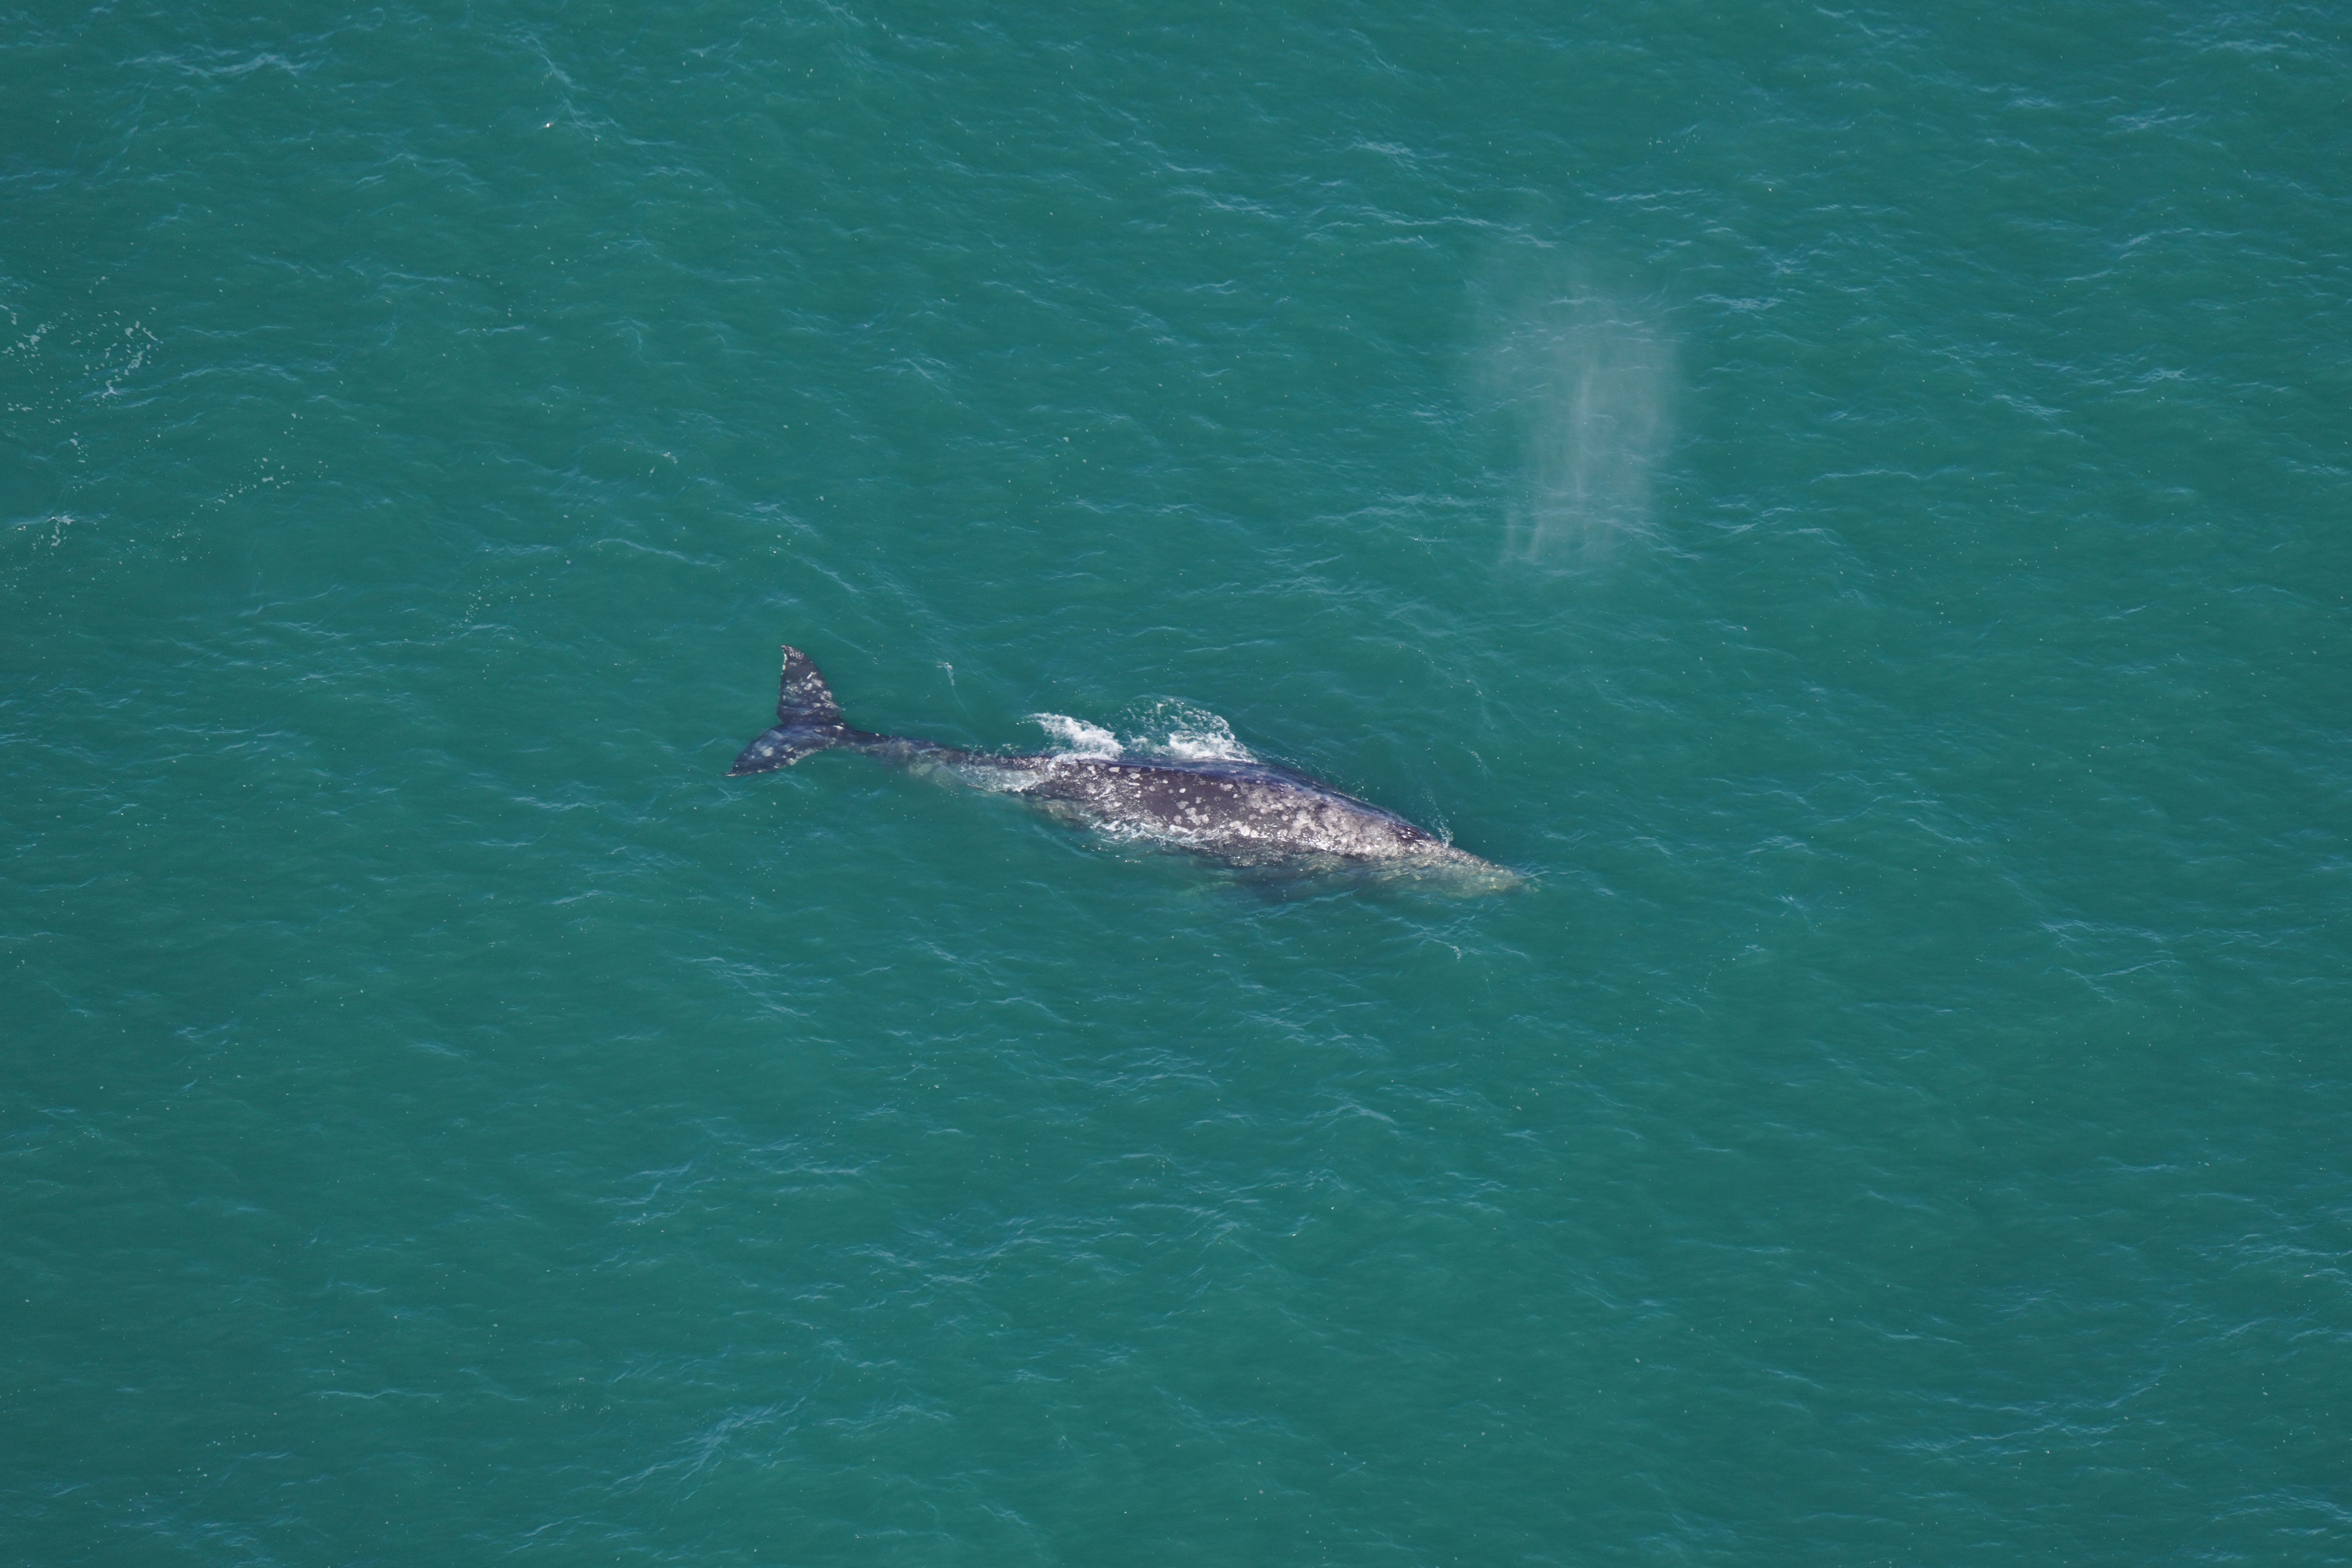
1850,505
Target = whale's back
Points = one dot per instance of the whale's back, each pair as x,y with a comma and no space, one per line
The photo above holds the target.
1250,814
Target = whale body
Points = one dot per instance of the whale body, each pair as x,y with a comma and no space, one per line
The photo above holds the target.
1242,814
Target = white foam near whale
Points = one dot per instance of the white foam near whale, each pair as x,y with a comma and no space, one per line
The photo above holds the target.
1078,738
1177,731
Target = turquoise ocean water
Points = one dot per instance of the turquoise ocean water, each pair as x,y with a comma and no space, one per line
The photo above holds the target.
1851,504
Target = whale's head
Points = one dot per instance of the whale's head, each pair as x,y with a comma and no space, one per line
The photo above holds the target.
1439,867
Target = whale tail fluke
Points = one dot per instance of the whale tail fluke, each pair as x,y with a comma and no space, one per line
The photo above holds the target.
807,720
805,698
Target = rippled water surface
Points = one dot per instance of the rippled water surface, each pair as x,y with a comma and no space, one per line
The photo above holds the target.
1850,505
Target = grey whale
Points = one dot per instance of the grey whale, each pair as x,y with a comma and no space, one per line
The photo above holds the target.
1241,813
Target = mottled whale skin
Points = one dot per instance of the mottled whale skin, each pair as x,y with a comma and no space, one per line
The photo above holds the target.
1242,814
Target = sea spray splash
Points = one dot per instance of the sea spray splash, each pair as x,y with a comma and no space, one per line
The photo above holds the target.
1076,737
1178,730
1189,735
